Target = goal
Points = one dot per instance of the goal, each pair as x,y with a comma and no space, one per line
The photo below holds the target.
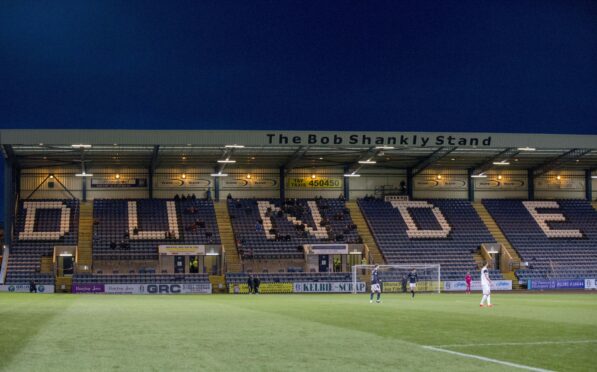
429,277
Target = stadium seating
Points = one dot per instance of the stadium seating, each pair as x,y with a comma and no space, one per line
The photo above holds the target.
241,278
133,229
139,278
419,234
285,227
564,247
40,225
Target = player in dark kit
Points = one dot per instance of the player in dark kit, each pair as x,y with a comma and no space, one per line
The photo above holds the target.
375,285
412,279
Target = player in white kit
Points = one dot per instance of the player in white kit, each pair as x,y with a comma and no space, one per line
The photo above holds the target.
486,286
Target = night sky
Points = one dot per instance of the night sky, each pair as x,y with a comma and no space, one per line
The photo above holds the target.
493,66
500,66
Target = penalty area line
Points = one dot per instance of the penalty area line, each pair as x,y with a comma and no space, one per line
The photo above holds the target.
563,342
485,359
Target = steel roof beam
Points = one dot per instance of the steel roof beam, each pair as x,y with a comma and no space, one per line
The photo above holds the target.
558,161
10,154
154,157
368,154
226,154
502,156
429,160
295,158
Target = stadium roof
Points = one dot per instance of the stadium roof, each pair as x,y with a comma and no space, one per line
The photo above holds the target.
300,149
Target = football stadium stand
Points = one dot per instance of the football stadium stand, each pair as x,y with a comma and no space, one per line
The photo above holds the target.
241,278
445,232
139,278
40,225
232,259
133,229
273,229
294,206
556,238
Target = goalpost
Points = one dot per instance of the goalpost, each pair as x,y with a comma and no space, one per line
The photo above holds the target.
391,276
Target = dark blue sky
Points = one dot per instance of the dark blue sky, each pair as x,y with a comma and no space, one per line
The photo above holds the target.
504,66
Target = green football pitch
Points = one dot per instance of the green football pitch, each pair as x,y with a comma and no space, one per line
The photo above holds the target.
447,332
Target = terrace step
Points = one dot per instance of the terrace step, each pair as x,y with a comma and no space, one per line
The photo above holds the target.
496,232
363,229
218,283
85,234
479,260
515,285
46,265
233,261
64,284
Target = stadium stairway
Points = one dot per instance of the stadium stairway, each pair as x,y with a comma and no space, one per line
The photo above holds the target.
495,231
85,233
479,260
364,232
511,276
218,283
233,264
64,284
46,265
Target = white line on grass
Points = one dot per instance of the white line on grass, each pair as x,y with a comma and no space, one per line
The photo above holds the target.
497,361
563,342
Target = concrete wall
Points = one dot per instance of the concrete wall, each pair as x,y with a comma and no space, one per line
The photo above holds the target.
502,185
440,184
245,183
299,183
571,185
375,181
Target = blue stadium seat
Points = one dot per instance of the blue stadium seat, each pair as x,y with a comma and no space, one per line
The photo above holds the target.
40,225
195,222
254,242
453,252
555,257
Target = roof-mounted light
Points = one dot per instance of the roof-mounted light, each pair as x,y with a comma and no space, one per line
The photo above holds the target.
226,161
235,146
80,146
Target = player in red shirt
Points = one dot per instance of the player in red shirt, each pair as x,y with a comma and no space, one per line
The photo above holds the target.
468,279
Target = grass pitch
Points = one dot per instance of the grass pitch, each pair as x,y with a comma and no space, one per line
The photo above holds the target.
297,332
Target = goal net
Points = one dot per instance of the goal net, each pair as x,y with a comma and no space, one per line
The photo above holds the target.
392,277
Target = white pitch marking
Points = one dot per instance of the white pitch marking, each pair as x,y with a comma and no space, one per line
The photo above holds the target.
497,361
522,343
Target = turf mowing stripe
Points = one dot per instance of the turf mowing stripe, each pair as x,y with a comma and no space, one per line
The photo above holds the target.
522,343
497,361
